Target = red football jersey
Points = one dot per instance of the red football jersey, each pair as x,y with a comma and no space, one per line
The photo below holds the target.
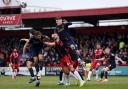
98,53
14,58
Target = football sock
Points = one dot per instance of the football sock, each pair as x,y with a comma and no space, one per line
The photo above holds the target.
60,76
106,75
102,75
31,72
89,75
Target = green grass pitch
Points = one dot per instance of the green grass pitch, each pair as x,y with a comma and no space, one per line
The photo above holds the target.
49,82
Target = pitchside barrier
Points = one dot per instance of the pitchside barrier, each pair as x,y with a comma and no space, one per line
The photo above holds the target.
22,70
53,71
119,70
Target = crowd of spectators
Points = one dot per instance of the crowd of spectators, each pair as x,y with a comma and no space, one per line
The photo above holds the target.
6,47
116,41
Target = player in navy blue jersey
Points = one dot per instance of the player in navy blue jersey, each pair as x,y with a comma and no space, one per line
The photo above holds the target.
110,64
69,42
28,60
36,46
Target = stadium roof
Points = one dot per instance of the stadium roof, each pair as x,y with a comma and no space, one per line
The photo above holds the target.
67,13
46,19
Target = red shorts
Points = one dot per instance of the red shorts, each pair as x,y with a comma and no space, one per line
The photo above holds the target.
65,61
75,64
95,64
15,66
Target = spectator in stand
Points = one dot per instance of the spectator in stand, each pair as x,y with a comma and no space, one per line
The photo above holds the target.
118,42
2,57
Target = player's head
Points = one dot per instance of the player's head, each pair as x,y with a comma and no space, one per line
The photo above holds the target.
31,33
107,50
15,50
55,36
59,21
98,46
38,35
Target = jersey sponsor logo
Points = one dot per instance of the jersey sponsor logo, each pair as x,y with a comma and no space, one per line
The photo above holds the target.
6,2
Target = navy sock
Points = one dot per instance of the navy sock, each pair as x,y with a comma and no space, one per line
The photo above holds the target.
37,68
106,75
81,76
60,76
31,72
102,74
41,65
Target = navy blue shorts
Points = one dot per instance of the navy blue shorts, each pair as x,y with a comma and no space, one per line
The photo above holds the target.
112,67
36,51
30,59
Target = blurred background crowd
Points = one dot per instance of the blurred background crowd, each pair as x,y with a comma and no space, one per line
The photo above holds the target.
118,42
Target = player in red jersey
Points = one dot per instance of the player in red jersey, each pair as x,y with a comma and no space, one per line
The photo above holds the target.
110,64
65,61
15,63
98,58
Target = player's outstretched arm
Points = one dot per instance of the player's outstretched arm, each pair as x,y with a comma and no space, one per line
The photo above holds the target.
50,43
11,59
27,40
24,50
119,59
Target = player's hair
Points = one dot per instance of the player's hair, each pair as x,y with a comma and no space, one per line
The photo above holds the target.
98,43
32,31
58,18
15,49
37,33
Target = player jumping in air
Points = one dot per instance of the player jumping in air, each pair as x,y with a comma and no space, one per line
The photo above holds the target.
29,60
36,46
69,42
